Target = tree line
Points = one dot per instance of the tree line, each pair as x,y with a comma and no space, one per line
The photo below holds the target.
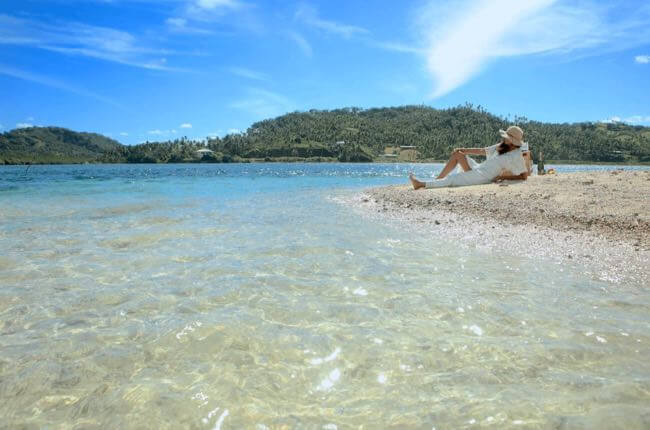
349,134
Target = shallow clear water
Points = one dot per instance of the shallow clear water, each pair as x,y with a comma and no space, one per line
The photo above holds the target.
236,296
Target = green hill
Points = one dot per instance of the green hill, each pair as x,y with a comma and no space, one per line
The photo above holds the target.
349,134
53,145
436,132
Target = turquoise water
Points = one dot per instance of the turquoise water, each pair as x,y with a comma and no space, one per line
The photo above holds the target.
248,296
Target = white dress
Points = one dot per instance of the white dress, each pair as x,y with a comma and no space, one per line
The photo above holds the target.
485,172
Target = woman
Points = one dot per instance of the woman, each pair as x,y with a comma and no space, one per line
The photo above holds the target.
504,161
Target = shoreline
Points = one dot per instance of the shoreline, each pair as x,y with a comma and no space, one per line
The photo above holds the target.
596,221
548,164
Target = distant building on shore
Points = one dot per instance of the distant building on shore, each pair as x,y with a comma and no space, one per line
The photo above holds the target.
401,153
408,153
204,151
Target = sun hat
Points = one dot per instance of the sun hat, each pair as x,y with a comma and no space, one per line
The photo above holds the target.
514,134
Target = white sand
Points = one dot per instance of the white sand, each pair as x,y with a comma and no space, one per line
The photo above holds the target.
598,222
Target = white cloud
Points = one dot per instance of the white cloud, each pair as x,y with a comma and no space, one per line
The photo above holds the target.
30,118
466,42
180,25
263,104
611,120
234,131
124,133
302,43
176,22
637,119
200,17
633,120
186,125
77,39
463,37
213,4
249,74
642,59
309,15
159,132
24,125
209,10
400,47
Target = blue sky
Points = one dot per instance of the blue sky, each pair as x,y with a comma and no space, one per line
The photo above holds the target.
141,70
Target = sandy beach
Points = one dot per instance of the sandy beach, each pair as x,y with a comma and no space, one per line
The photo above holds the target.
600,220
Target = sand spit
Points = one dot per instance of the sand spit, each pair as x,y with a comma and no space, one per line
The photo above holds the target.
596,221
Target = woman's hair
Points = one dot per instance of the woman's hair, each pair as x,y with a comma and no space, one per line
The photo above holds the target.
503,147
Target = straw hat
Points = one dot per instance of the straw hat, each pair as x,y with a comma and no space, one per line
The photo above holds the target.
513,134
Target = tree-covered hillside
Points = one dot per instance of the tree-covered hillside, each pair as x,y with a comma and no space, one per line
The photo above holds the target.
52,145
349,134
436,132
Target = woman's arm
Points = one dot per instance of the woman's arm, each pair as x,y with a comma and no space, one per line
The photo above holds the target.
471,151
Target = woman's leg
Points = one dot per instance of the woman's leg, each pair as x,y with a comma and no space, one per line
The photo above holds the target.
436,183
456,158
416,184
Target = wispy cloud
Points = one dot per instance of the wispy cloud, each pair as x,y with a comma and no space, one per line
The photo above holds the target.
642,59
400,47
186,125
263,104
176,22
162,133
73,38
462,38
124,133
211,17
214,4
633,120
249,74
309,15
53,83
182,26
24,125
211,10
611,120
302,43
637,119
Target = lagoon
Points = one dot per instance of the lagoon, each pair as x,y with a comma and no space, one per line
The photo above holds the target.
254,296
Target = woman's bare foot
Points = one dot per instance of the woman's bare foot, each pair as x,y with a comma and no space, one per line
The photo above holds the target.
416,184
